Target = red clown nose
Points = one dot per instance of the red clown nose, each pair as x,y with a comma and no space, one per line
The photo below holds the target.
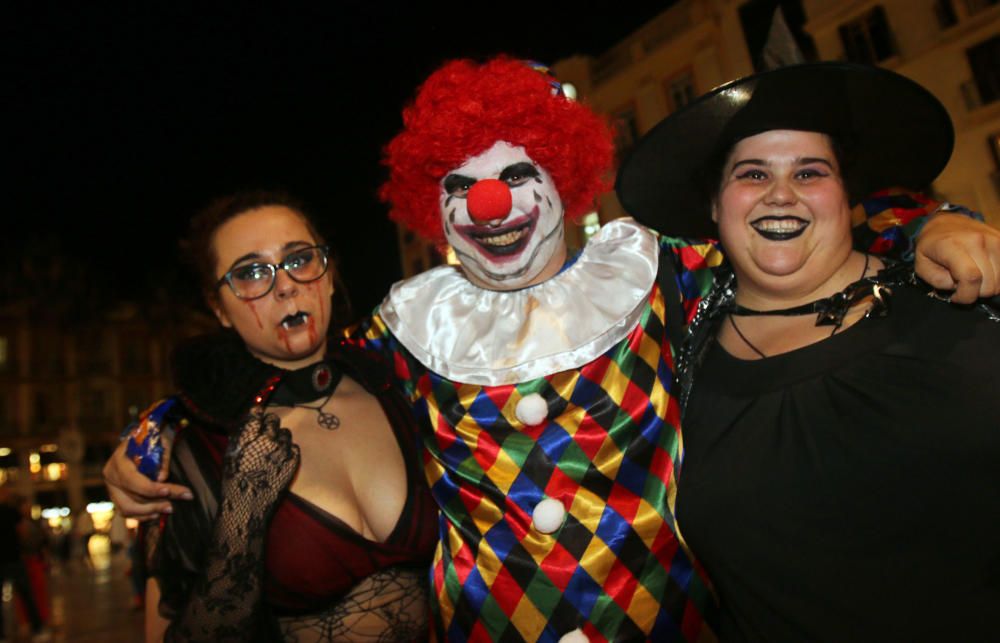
489,199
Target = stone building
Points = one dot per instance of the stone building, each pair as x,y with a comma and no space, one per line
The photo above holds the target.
76,367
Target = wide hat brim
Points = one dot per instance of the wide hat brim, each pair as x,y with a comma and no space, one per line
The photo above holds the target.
898,135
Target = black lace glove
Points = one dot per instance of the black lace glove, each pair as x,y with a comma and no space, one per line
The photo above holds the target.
259,464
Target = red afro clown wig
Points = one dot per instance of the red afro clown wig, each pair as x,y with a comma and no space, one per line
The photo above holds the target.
463,108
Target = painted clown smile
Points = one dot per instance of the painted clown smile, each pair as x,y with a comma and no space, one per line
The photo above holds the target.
779,228
505,241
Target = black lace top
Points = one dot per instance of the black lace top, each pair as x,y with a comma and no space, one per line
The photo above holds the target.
317,569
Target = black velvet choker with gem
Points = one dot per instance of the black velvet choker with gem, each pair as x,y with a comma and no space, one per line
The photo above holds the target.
314,382
306,384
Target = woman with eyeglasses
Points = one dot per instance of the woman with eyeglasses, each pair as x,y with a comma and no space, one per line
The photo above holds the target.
311,520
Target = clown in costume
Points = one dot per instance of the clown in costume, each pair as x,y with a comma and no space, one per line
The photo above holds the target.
552,435
543,383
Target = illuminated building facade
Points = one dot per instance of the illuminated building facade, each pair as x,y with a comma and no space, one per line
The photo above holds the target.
952,47
67,389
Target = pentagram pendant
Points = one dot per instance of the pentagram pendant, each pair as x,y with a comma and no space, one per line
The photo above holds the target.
328,421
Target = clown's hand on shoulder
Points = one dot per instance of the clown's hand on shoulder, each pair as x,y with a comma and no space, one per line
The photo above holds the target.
957,252
952,249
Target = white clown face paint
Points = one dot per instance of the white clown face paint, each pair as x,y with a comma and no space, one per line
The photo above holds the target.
508,247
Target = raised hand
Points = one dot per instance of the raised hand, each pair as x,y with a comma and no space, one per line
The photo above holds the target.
258,466
135,495
259,463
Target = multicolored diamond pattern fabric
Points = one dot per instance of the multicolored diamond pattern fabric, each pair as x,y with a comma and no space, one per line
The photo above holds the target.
888,222
608,452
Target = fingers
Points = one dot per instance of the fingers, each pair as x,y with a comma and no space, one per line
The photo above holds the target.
112,466
167,442
991,267
283,437
288,447
974,267
175,491
966,292
135,506
966,273
264,426
143,511
272,424
258,423
965,266
121,473
933,273
969,251
134,494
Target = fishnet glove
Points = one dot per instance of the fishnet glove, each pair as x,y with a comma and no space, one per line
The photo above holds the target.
259,464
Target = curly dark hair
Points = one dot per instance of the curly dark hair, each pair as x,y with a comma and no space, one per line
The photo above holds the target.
198,247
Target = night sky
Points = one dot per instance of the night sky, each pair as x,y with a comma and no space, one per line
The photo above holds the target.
123,120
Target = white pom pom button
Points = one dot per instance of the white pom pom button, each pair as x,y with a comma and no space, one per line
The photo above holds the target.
548,516
576,636
532,409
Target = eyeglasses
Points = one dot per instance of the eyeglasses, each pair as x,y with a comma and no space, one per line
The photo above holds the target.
254,280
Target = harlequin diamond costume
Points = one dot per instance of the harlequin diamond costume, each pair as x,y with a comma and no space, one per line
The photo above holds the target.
544,384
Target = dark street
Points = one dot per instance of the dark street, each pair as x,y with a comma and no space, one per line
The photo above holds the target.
90,601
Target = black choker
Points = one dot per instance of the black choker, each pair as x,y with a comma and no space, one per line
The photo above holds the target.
315,382
830,311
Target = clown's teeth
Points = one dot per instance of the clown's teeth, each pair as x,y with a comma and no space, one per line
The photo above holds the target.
502,239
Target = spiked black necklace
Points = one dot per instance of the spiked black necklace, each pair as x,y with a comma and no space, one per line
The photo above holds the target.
315,382
830,311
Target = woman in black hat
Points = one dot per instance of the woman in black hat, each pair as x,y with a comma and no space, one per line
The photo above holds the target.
823,511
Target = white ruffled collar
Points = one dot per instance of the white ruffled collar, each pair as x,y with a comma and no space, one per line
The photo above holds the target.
488,337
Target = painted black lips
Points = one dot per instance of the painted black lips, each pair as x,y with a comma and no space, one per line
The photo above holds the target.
784,233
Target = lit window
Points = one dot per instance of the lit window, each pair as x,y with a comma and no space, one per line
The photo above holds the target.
55,471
